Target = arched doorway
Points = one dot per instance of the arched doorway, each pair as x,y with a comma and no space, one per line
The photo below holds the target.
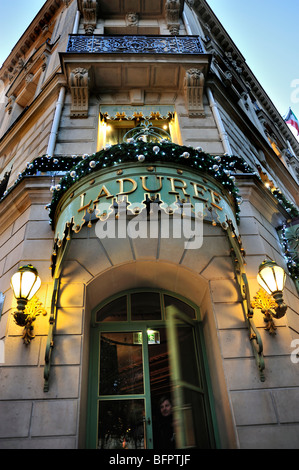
147,345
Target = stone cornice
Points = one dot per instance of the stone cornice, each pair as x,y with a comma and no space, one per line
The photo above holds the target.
253,190
34,30
208,17
31,190
49,88
244,122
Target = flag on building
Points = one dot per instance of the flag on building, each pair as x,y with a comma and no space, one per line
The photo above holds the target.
292,120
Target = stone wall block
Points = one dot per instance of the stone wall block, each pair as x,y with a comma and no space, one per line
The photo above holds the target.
69,321
225,291
71,295
242,373
229,315
93,258
18,354
46,443
64,383
54,418
269,437
67,350
253,407
15,419
37,250
235,343
287,403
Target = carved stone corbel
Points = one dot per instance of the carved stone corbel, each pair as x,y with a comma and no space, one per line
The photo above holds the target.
132,19
193,88
88,10
10,104
172,9
79,91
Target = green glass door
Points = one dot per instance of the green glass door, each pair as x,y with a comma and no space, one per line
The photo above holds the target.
192,411
120,405
147,387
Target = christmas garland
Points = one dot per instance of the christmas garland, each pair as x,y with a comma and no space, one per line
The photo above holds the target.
289,207
38,166
220,168
289,239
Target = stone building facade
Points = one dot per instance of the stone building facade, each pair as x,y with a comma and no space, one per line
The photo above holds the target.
149,108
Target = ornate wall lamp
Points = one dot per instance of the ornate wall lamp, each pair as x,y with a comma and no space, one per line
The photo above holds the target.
25,283
269,299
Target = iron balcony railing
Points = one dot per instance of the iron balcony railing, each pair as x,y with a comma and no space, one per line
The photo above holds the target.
101,44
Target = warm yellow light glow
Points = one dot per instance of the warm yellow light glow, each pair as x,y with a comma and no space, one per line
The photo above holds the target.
15,283
102,128
174,130
271,277
25,283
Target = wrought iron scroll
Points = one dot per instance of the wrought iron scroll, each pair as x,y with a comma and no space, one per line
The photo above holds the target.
53,315
238,254
135,44
146,132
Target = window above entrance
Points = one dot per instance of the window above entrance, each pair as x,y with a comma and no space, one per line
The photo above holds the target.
142,123
143,306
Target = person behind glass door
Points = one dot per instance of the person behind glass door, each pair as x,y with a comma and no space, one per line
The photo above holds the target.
164,434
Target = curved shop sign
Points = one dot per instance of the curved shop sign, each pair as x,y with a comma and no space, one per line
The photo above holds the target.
127,198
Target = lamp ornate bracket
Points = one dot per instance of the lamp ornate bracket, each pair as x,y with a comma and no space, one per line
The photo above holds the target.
238,255
266,304
193,88
26,318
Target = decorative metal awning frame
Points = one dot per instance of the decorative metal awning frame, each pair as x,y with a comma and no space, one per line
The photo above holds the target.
61,247
138,113
54,306
237,254
238,259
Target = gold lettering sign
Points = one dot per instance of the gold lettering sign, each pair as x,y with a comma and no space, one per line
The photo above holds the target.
199,189
174,186
144,178
87,202
121,186
200,192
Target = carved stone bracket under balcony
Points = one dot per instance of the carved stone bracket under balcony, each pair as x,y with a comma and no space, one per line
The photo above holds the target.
172,9
172,64
78,82
88,9
193,88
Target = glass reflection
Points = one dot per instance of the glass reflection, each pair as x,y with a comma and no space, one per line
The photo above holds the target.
145,306
114,311
180,305
121,369
121,424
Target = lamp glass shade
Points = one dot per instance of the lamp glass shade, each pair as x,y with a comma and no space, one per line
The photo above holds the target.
25,283
271,277
15,283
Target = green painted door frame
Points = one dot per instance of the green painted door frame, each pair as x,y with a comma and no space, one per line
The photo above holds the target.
174,321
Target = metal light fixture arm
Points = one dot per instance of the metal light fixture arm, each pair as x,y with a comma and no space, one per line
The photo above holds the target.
237,253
